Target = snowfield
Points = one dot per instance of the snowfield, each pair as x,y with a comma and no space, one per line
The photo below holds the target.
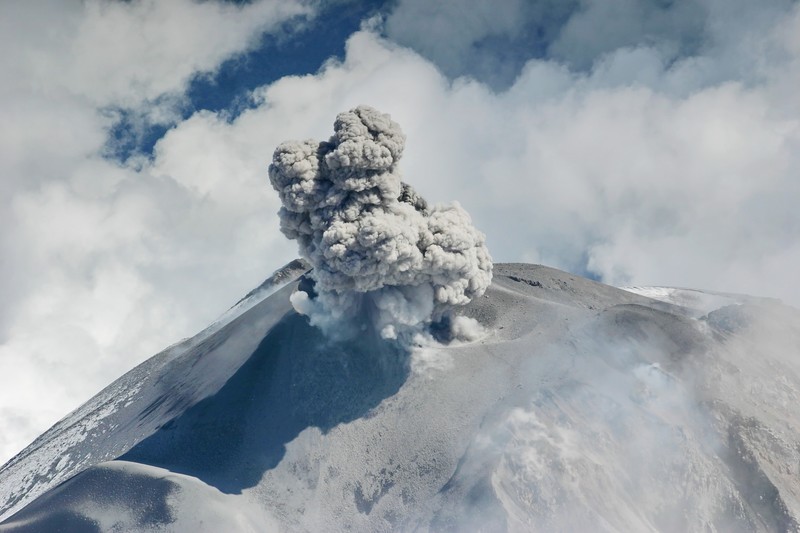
573,406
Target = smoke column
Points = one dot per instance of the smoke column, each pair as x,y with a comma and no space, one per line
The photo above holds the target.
377,249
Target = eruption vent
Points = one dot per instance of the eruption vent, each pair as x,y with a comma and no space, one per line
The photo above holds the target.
377,249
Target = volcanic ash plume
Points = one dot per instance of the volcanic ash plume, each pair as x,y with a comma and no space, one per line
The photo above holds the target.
377,248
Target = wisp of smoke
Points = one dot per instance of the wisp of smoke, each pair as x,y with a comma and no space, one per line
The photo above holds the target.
378,250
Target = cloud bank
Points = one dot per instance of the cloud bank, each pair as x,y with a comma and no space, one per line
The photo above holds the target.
89,247
663,151
375,244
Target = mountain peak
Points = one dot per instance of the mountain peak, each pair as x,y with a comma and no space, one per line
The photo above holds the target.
580,406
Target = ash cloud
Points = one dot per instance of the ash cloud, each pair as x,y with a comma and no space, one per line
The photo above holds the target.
377,248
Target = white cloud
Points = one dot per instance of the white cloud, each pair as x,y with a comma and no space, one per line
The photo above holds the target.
662,180
462,24
599,27
651,185
99,260
125,53
651,169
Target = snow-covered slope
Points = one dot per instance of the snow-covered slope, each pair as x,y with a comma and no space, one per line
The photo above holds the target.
581,407
135,405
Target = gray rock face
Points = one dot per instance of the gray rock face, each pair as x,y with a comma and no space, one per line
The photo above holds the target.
579,407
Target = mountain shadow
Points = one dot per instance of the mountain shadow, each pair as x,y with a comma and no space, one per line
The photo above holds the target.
134,498
295,379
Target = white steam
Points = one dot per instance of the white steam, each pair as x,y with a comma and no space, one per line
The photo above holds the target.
377,248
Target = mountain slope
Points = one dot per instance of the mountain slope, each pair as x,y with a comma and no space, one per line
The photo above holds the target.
136,404
580,407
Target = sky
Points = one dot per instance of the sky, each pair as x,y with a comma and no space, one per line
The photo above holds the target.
636,142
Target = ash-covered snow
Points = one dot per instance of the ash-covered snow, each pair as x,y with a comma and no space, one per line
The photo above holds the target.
574,407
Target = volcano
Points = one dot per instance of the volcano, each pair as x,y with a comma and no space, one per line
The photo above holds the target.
577,407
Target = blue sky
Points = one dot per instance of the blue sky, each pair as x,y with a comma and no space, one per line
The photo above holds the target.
634,141
293,52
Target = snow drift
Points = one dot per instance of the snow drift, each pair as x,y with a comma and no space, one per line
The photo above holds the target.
377,248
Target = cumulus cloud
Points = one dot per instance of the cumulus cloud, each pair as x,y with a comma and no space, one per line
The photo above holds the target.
90,249
669,157
128,53
492,42
375,244
484,40
718,40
